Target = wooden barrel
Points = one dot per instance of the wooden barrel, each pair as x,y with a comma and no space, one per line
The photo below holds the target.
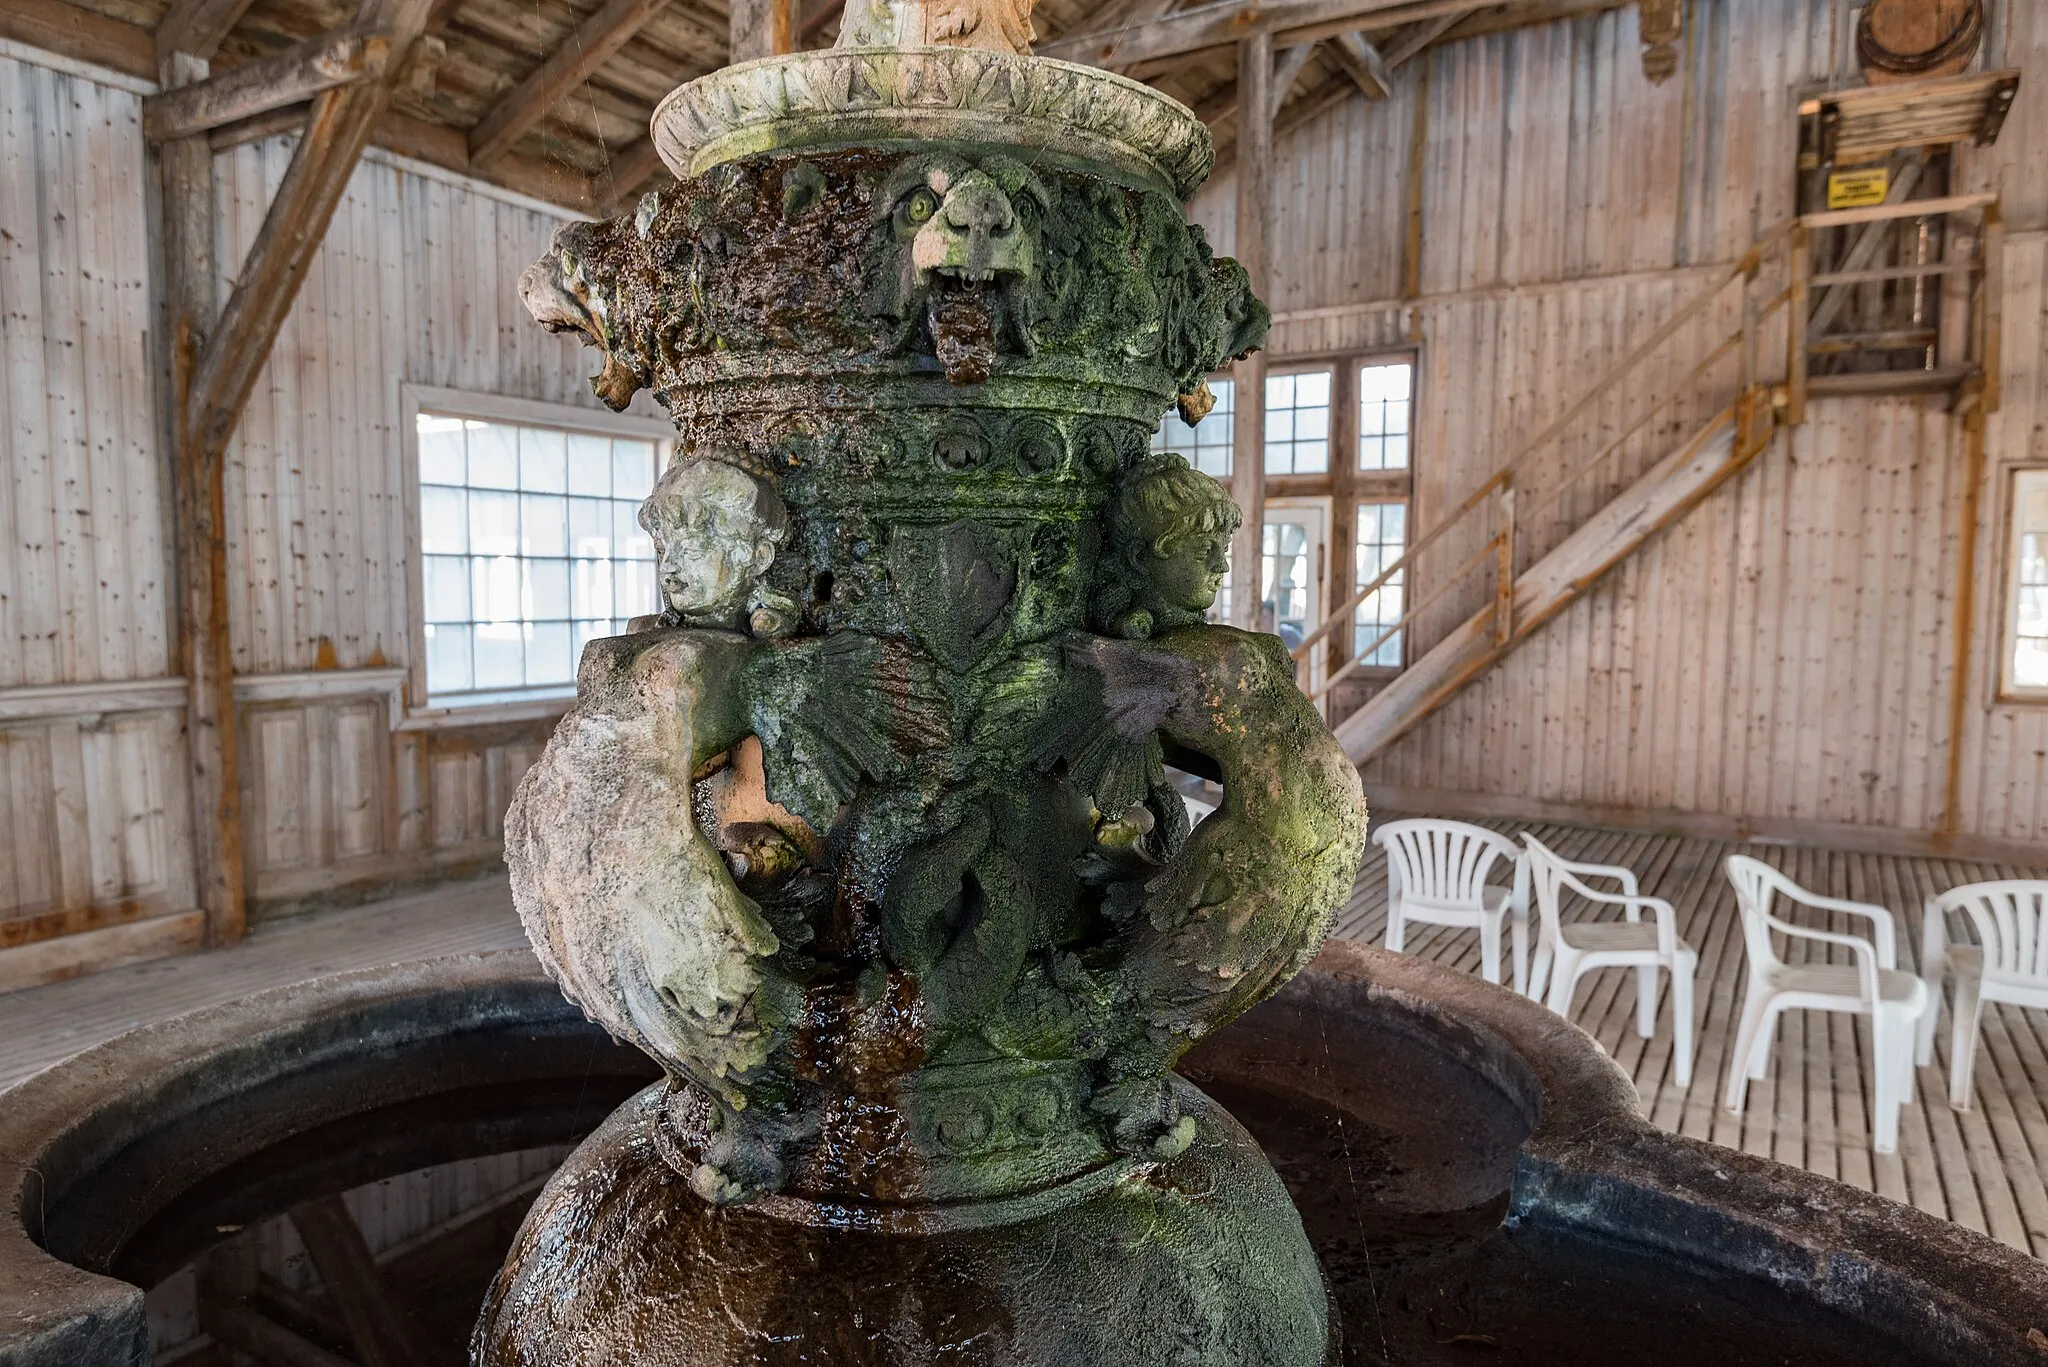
1908,40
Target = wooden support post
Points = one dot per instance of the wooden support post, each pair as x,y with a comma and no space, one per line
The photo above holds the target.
213,368
1964,627
199,529
762,28
1411,190
1342,576
1795,326
382,1337
1991,350
1248,429
1504,569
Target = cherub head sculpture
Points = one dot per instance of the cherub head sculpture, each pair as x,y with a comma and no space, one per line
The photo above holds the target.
1170,530
716,529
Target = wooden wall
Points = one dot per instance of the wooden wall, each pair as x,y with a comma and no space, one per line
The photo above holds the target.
1784,661
95,858
346,790
343,794
1785,656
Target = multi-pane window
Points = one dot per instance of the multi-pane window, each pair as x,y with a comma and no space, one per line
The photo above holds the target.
2027,657
1298,423
1382,537
530,546
1297,428
1384,394
1207,443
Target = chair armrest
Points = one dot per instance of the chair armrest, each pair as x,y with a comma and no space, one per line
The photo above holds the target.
1883,925
1625,877
1869,958
1569,877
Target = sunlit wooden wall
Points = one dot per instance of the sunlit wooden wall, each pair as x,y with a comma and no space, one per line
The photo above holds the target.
1784,660
344,794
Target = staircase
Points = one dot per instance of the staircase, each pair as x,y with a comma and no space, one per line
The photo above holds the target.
1522,598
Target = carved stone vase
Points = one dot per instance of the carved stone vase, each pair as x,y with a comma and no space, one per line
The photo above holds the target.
867,837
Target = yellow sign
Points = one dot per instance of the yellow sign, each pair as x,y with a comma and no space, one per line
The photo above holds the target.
1857,189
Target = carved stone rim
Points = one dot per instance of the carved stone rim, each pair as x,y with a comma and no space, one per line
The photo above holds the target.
849,96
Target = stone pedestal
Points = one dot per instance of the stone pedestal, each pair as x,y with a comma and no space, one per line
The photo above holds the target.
868,838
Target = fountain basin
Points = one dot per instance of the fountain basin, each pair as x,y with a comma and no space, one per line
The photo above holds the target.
1475,1174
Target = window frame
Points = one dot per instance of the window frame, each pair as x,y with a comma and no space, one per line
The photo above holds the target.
2008,691
1289,369
506,704
1345,484
1402,474
1360,499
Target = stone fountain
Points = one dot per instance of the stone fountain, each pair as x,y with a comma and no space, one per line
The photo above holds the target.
866,841
867,838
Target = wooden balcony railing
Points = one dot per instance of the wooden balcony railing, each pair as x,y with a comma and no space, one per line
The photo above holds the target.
1502,497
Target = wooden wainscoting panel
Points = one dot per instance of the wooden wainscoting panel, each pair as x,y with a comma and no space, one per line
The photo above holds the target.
277,770
94,837
69,956
361,763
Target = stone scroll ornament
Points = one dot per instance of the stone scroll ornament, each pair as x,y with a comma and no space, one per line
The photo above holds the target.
868,836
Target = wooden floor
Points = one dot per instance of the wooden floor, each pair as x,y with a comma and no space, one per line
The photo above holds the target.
41,1025
1983,1168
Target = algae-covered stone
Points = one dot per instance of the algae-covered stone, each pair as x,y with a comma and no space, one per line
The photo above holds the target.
868,838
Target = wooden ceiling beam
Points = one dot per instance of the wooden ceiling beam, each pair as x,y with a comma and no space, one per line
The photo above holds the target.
818,16
198,26
1413,41
449,149
325,62
1230,21
1287,65
1369,71
70,31
580,54
632,169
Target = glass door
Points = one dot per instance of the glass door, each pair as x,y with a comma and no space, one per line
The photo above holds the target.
1292,560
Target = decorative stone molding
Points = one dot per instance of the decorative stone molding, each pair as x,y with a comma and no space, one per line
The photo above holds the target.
851,96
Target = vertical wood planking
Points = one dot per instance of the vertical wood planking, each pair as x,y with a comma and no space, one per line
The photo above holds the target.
1786,650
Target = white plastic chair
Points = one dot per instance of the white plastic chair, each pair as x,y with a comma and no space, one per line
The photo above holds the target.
1872,986
2009,963
1436,873
1566,953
